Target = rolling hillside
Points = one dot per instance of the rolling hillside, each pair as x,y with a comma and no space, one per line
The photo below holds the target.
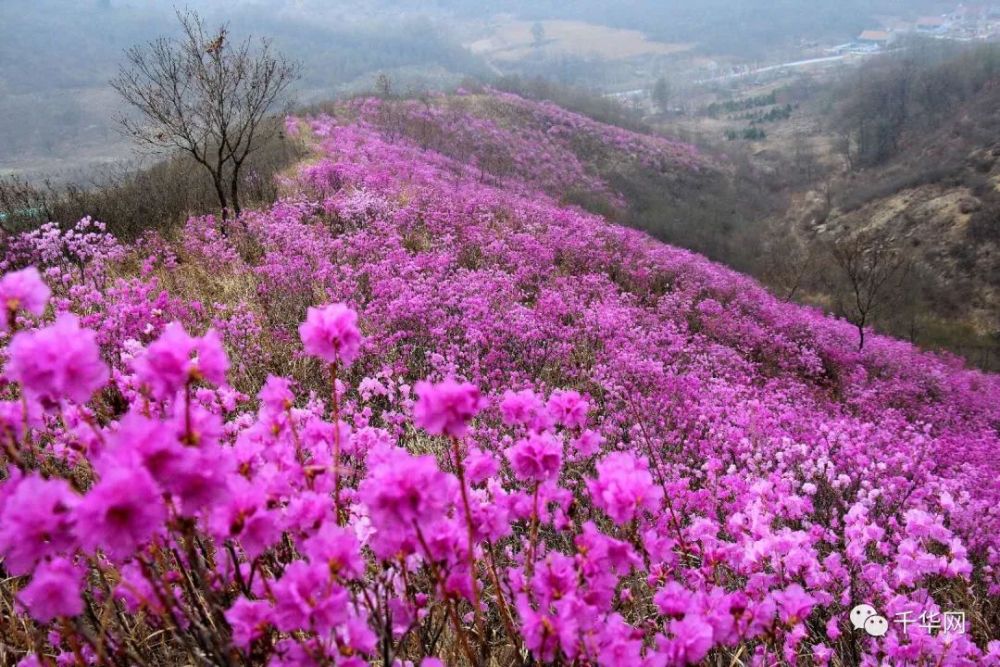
488,425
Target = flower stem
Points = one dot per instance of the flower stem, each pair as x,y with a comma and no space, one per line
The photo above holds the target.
460,471
533,543
336,441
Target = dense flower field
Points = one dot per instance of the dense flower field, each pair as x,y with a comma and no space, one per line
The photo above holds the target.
524,146
413,416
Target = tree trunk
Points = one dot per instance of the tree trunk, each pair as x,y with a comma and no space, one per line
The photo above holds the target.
234,191
220,192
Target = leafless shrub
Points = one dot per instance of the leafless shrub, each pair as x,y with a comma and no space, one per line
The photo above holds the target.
206,97
873,270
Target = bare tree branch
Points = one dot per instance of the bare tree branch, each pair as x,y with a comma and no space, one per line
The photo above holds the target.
206,96
875,270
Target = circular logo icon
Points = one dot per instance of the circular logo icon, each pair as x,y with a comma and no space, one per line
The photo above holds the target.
876,626
860,614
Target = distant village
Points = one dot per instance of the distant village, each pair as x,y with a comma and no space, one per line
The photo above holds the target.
966,23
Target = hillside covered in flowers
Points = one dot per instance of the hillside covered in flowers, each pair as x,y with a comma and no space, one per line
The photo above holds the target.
422,411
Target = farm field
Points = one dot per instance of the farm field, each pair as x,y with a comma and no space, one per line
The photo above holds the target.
513,40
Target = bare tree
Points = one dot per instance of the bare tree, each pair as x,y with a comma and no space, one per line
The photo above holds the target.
790,263
874,269
662,94
827,190
205,96
845,146
383,86
804,162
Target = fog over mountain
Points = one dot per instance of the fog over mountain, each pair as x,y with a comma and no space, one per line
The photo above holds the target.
57,55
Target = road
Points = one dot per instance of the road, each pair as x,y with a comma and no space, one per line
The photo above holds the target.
773,68
752,72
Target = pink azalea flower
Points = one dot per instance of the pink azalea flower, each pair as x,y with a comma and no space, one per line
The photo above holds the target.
405,493
248,619
140,438
536,458
331,333
568,408
120,513
277,395
194,474
359,637
57,362
833,628
480,466
602,553
54,591
822,654
525,408
446,408
176,358
22,290
692,640
762,617
15,416
244,516
794,604
35,522
587,444
338,549
674,600
620,643
543,632
197,478
306,599
624,487
135,590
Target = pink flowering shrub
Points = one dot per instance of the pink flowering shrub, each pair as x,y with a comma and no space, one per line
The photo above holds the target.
56,362
80,254
331,334
22,291
484,429
203,237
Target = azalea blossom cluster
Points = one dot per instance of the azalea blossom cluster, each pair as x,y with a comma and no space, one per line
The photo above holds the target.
578,130
525,146
431,419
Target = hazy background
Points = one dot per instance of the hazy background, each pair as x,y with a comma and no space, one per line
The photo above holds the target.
56,110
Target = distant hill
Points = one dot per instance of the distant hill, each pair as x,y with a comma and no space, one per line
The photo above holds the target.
618,168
